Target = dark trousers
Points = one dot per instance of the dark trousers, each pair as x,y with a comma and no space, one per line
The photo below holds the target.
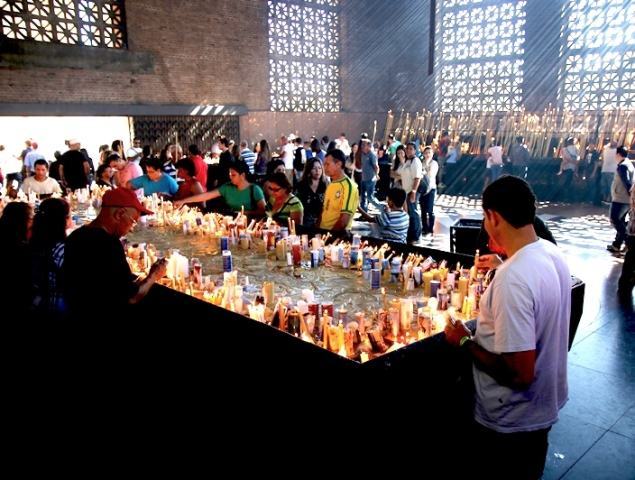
617,215
519,455
426,202
627,279
414,228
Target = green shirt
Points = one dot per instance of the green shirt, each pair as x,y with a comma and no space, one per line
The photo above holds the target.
292,205
235,199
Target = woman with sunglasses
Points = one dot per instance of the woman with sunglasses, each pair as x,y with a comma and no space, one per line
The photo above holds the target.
283,205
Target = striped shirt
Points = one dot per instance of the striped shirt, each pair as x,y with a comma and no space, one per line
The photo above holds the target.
393,225
249,158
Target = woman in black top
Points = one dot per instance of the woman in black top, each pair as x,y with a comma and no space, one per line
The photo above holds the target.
15,278
311,190
104,175
47,244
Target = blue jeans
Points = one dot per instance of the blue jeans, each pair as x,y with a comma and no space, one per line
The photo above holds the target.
426,202
495,172
605,186
367,194
617,214
414,228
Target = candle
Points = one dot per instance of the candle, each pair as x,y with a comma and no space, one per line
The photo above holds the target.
363,357
281,250
463,285
384,299
393,314
296,249
406,314
427,279
267,292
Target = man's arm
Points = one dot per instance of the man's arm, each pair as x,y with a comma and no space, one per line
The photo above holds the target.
342,222
622,172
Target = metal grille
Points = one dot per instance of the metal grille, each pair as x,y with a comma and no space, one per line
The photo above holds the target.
186,130
481,47
92,23
598,70
304,55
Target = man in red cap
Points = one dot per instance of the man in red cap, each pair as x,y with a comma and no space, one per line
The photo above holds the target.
95,266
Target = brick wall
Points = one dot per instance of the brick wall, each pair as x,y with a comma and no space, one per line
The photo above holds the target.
216,52
204,51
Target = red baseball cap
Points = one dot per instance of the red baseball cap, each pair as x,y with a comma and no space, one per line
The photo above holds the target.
124,198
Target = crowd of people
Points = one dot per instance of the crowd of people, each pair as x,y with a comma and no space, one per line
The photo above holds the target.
320,184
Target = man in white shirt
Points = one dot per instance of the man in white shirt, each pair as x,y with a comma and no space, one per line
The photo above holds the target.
495,161
411,172
286,155
609,167
519,351
41,183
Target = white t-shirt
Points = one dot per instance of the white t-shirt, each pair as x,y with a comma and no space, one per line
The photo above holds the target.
609,160
287,156
496,156
409,171
526,307
47,187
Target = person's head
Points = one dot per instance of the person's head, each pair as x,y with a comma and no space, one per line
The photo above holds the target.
342,136
283,140
74,144
274,166
194,151
28,142
238,172
509,204
244,145
117,146
146,151
315,145
400,153
381,150
176,152
520,139
427,153
34,145
41,169
120,211
264,147
325,140
115,161
334,163
279,186
104,172
411,150
568,141
621,153
354,149
104,147
235,150
51,221
391,139
185,169
298,141
313,170
154,169
366,145
223,143
136,142
15,223
132,155
396,198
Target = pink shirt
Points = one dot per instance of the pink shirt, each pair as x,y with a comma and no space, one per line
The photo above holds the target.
130,171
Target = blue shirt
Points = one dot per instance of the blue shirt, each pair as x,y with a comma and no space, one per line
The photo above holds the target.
369,163
165,184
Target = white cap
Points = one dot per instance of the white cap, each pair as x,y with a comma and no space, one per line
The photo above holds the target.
132,153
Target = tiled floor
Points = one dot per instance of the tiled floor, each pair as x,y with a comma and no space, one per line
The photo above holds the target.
595,437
